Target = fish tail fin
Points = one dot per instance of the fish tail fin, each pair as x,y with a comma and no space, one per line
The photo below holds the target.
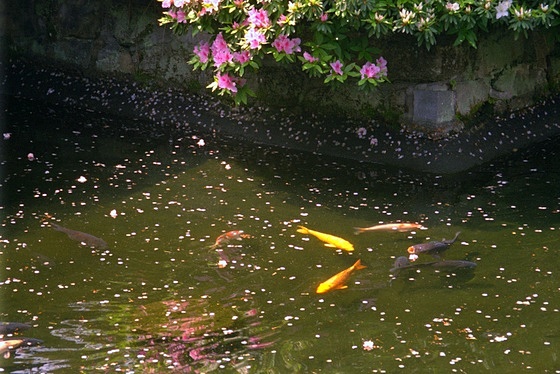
358,230
303,230
358,265
56,227
456,235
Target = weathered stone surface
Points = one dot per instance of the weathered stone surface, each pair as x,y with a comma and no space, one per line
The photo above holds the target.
79,19
433,105
470,94
520,80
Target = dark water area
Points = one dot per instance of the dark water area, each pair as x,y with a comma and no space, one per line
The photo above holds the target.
165,295
485,137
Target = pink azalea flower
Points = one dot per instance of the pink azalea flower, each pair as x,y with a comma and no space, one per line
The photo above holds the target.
180,3
337,67
181,17
280,42
202,51
259,18
223,56
285,44
282,20
309,57
220,51
166,3
293,46
242,57
225,81
219,42
382,64
369,70
254,38
324,17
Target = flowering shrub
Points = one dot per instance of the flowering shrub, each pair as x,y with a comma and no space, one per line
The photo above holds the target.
333,38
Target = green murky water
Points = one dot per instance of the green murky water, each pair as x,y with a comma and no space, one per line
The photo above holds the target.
156,299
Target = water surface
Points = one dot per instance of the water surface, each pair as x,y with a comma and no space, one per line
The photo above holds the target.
156,297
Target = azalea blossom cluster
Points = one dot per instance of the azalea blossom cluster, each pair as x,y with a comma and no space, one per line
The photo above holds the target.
252,30
222,55
333,40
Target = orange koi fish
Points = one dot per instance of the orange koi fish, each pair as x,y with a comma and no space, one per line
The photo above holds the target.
400,227
229,236
338,281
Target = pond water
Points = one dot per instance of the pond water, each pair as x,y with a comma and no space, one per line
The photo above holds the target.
161,296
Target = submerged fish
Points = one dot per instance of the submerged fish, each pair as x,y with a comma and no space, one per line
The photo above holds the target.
12,327
330,240
402,263
8,346
82,237
229,236
338,281
400,227
434,248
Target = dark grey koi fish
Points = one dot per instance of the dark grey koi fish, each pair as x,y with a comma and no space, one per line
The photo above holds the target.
12,327
403,263
434,248
82,237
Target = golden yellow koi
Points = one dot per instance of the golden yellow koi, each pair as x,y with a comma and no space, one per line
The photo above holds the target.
400,227
338,281
330,240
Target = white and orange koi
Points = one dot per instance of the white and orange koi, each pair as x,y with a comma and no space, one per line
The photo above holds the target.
8,346
400,227
330,240
229,236
338,281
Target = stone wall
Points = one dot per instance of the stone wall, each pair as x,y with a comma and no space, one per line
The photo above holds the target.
429,88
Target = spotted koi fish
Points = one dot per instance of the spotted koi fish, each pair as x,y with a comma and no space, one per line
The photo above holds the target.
229,236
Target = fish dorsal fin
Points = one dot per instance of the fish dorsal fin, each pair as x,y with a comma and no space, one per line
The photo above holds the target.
330,245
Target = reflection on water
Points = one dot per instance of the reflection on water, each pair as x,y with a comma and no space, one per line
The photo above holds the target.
165,293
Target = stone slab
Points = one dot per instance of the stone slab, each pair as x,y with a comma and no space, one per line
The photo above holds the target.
433,106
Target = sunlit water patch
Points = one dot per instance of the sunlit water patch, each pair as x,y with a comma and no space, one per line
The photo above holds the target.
165,294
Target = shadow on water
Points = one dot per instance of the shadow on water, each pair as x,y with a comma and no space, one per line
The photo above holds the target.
165,295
